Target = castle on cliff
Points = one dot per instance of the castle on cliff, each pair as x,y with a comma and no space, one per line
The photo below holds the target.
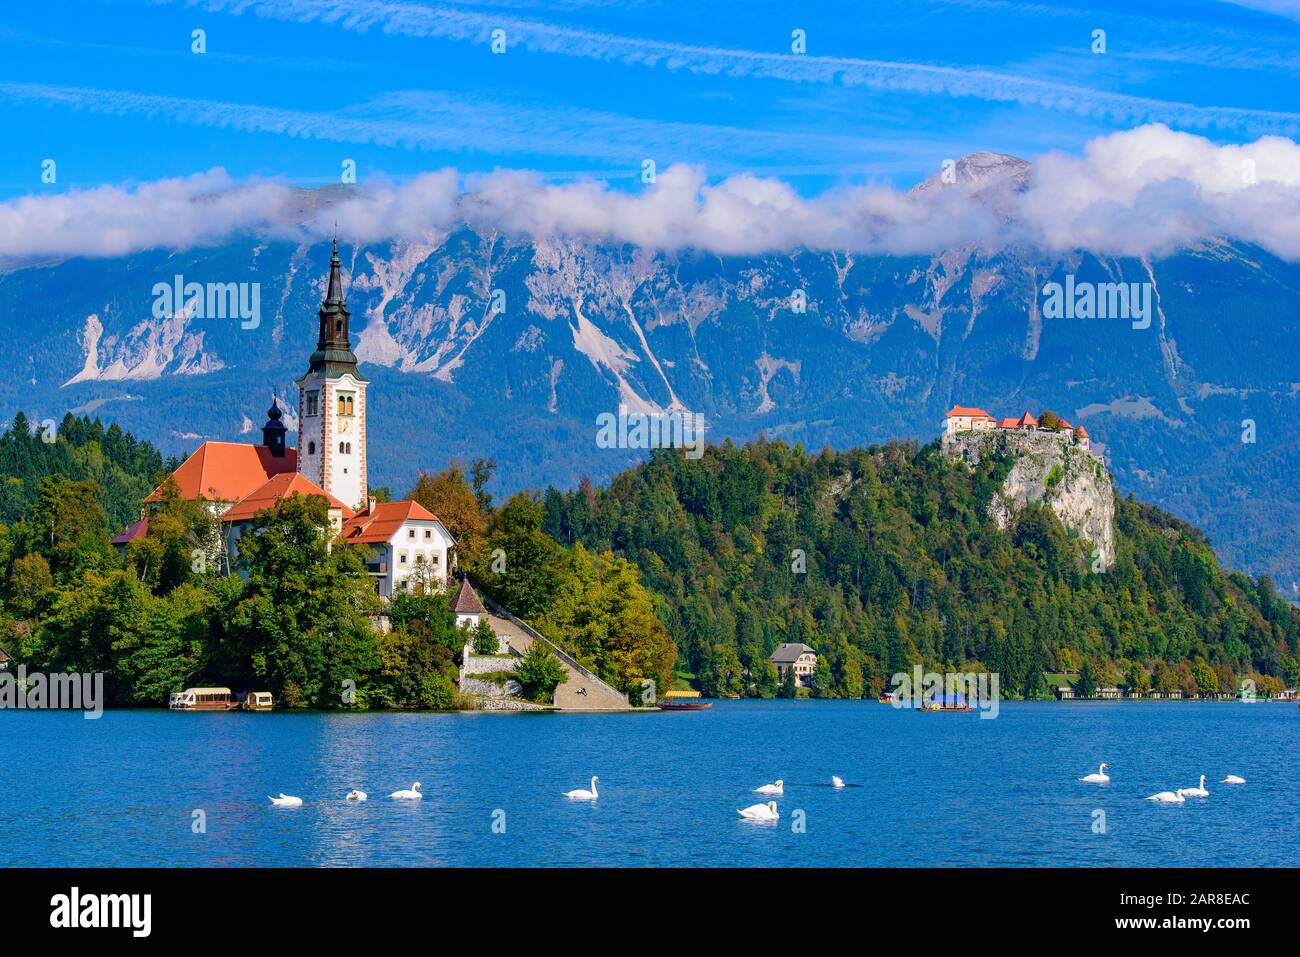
963,419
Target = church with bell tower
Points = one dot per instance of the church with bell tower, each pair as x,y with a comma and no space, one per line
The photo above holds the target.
403,545
332,404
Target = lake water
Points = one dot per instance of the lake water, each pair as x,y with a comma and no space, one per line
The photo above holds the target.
930,790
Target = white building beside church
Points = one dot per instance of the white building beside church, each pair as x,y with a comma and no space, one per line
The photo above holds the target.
408,548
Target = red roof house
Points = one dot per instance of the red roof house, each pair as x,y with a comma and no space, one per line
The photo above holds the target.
381,521
406,546
131,533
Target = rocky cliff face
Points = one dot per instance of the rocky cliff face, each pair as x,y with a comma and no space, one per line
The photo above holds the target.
1048,468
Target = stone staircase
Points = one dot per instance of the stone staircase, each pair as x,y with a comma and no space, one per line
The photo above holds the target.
581,689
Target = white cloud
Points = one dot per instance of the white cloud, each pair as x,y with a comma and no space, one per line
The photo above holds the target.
1147,191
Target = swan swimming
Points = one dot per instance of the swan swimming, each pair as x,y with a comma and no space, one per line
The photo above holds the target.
410,795
1196,792
1232,779
1168,797
1101,777
777,788
837,781
760,812
286,800
355,795
583,795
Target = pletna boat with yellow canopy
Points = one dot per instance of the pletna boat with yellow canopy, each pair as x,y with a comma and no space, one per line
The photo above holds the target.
682,701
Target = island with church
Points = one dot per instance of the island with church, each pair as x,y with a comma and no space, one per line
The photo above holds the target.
240,490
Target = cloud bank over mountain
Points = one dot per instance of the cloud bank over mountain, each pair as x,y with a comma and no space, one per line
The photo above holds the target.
1143,192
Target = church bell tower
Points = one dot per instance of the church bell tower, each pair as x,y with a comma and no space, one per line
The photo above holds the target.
332,404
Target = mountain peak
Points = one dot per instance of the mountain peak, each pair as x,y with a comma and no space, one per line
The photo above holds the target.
981,171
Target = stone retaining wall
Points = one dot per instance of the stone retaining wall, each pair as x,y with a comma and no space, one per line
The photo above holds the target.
484,688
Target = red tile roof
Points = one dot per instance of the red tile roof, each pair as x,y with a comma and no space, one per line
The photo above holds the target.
275,489
467,601
227,471
1081,431
1008,423
136,530
382,522
963,410
1027,419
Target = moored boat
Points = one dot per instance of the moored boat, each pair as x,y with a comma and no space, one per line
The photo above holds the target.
258,701
682,701
202,699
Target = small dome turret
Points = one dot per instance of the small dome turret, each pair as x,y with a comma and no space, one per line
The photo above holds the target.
274,431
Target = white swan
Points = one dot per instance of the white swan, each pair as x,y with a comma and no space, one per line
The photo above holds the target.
1101,777
760,812
1233,779
583,795
1168,797
777,788
409,795
286,800
355,795
837,781
1196,792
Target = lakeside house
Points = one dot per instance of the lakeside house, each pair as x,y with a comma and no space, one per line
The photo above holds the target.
798,657
405,546
971,419
5,658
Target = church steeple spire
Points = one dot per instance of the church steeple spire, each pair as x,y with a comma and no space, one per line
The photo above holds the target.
332,402
333,353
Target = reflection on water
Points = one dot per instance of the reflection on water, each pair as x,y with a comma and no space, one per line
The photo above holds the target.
922,790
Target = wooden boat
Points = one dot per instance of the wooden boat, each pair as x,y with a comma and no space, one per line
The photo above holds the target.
946,703
258,701
682,701
202,699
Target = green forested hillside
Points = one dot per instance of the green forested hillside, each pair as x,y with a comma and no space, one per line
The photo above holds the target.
123,468
884,557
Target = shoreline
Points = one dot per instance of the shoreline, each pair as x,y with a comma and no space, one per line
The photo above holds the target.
642,710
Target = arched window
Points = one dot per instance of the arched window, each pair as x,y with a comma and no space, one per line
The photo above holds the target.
343,448
311,448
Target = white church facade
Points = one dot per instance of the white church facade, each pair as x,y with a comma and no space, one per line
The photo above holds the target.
405,547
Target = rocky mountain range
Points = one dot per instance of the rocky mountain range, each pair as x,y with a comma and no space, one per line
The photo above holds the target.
480,344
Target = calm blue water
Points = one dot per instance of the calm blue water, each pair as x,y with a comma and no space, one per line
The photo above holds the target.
933,789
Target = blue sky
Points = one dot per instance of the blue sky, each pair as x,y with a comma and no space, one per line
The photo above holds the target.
289,89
